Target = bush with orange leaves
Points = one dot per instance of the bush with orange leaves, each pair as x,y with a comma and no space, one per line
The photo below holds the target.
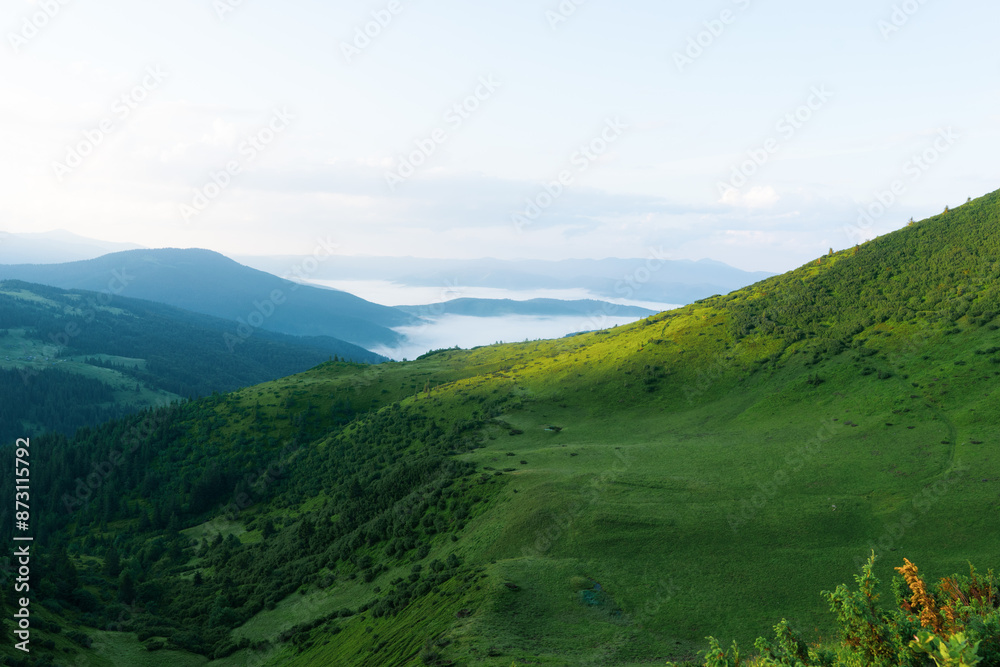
923,603
956,625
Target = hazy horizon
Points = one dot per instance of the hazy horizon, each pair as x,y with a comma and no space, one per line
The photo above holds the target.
71,237
746,132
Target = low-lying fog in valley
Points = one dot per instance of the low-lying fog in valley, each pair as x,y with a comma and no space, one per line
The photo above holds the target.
466,332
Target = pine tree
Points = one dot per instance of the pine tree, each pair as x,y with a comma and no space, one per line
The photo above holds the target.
126,587
112,562
306,530
64,572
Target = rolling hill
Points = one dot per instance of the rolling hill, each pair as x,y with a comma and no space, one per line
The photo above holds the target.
70,358
606,499
206,282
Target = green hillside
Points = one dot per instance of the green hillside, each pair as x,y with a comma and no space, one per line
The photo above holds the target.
606,499
71,358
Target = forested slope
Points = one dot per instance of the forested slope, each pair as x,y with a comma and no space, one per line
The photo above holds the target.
606,499
70,358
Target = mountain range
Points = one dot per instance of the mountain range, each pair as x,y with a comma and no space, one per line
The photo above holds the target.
206,282
203,281
652,279
605,499
532,307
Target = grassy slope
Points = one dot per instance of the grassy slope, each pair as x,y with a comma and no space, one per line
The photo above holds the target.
720,501
644,509
654,504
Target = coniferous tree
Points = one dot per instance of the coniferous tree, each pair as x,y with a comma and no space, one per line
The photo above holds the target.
112,562
126,587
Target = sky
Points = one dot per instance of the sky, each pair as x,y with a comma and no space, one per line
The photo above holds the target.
759,133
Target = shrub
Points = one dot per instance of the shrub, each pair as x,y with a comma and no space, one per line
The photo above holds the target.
956,652
956,625
80,638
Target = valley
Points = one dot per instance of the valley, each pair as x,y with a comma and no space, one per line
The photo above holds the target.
609,498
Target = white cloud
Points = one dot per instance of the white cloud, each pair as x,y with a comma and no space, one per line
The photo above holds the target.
760,196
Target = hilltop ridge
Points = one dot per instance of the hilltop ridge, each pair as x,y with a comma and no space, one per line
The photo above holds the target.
204,281
472,506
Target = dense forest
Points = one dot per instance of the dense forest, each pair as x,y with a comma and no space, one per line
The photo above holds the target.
184,355
386,482
946,268
53,400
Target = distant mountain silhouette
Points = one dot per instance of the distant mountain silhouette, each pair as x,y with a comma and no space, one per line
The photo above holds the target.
206,282
54,247
530,307
645,279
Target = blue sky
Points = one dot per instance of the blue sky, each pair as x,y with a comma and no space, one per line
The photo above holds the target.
248,127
